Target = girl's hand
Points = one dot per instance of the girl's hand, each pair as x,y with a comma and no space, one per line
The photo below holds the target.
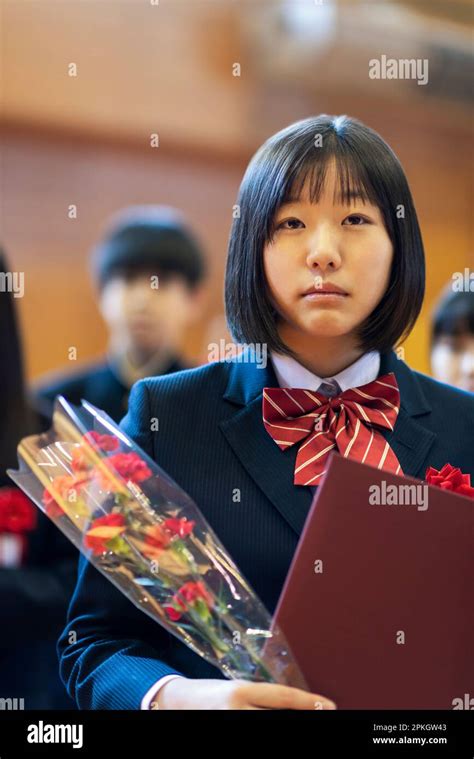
186,693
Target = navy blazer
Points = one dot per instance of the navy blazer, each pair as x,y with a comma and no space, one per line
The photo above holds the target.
211,440
97,383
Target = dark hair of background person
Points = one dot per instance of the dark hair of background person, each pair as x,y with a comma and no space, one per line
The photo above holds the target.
150,238
453,315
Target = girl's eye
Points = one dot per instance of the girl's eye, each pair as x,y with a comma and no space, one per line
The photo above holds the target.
289,221
357,220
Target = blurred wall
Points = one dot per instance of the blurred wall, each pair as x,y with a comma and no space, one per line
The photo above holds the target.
44,174
170,69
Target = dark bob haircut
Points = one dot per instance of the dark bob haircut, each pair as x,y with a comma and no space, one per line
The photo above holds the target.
453,315
366,165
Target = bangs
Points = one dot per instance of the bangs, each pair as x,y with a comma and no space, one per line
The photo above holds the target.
353,180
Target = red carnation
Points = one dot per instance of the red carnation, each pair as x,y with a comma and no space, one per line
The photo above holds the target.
81,458
157,537
179,527
102,530
53,510
128,465
450,478
103,442
190,592
64,484
109,520
172,613
17,513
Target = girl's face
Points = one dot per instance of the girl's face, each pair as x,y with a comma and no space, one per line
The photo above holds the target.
452,360
320,245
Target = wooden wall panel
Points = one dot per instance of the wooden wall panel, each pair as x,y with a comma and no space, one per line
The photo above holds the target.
42,175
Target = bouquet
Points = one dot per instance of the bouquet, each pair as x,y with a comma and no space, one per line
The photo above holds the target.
147,536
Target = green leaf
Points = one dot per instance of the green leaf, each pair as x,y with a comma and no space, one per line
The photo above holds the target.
202,609
119,546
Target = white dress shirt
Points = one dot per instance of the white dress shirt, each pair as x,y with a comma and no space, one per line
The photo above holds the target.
290,373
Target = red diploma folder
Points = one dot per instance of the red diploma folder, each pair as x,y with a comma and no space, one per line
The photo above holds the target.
378,604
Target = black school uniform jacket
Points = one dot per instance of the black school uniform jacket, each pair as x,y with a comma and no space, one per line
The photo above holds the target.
97,383
211,440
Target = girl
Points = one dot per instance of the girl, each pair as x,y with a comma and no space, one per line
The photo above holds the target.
326,270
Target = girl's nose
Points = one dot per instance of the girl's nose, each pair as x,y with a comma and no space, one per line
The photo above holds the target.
323,254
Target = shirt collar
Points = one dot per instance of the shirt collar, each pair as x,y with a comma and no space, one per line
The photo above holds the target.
290,373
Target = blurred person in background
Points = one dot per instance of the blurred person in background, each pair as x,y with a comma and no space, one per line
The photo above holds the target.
149,271
37,563
452,339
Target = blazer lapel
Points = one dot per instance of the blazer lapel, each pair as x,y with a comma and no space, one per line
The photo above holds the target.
410,440
272,469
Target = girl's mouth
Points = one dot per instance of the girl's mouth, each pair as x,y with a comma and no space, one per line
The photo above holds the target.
325,289
320,295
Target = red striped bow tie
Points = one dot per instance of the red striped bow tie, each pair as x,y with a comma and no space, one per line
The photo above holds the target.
345,423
